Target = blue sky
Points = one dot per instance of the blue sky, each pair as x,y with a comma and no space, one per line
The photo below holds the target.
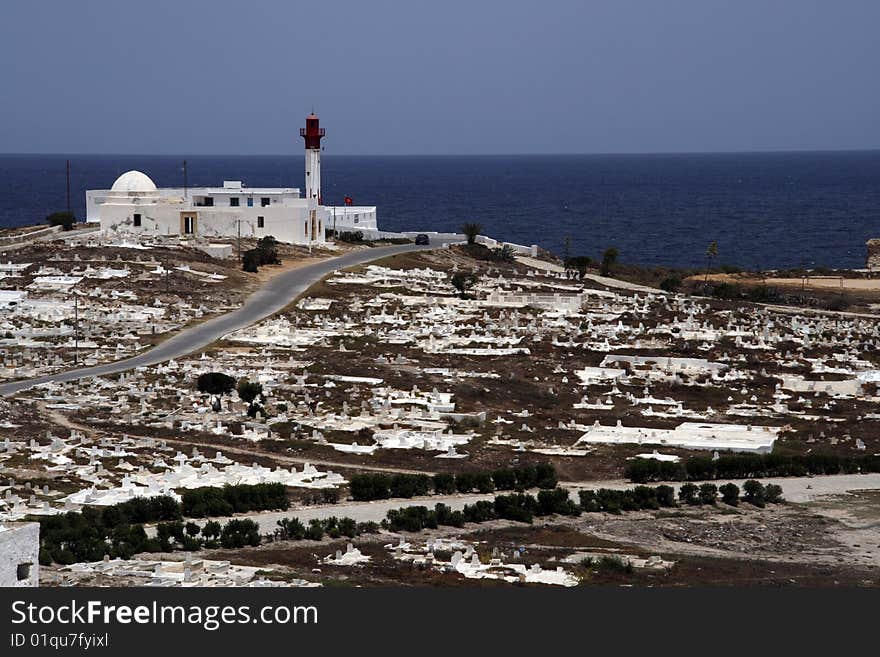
450,77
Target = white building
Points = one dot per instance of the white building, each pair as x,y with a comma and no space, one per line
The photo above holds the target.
19,554
135,205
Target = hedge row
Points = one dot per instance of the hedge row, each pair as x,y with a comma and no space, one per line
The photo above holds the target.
211,501
83,535
648,497
366,487
294,529
745,466
522,507
117,530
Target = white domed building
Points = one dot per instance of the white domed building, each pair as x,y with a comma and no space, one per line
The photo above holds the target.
135,206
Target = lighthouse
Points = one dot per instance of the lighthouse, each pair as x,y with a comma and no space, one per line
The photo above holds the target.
312,135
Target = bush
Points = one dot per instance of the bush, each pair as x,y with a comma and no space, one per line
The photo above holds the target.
588,500
410,519
749,466
665,495
519,507
248,391
444,484
754,493
670,284
480,511
448,517
367,487
350,236
504,479
215,383
64,219
250,261
213,501
773,494
240,532
556,501
708,493
729,494
687,494
315,531
267,250
644,470
409,485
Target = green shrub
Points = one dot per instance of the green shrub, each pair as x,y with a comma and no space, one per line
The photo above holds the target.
729,494
708,493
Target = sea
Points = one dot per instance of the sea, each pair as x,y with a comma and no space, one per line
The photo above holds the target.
764,210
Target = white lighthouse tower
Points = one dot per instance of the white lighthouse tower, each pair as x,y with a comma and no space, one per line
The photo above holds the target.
312,135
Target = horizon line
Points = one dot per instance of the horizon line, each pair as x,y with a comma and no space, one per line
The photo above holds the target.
532,154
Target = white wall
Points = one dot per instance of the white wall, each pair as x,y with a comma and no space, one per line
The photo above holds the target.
286,222
19,544
352,217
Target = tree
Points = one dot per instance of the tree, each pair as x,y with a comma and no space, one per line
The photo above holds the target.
711,254
250,261
773,494
248,391
754,493
708,493
64,219
503,254
215,383
471,230
267,248
609,257
670,284
729,494
687,494
462,282
578,264
665,495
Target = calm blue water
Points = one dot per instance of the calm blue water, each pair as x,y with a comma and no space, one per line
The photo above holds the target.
766,210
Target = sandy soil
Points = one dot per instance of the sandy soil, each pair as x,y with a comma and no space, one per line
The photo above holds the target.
810,283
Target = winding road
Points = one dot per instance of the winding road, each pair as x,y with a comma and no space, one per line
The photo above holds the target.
278,292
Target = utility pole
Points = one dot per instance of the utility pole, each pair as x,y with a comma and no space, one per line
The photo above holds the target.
68,186
184,180
334,222
238,221
75,328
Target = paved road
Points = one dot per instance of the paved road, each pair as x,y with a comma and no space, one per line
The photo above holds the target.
272,297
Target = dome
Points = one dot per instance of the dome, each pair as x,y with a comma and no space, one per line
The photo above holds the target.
133,181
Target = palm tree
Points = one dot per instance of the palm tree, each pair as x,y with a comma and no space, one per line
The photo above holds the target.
711,254
471,230
608,259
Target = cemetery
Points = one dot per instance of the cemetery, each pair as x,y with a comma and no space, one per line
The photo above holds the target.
442,375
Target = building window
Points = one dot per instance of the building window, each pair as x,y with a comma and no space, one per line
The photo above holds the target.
264,201
261,222
250,201
23,571
188,225
356,220
137,221
233,201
